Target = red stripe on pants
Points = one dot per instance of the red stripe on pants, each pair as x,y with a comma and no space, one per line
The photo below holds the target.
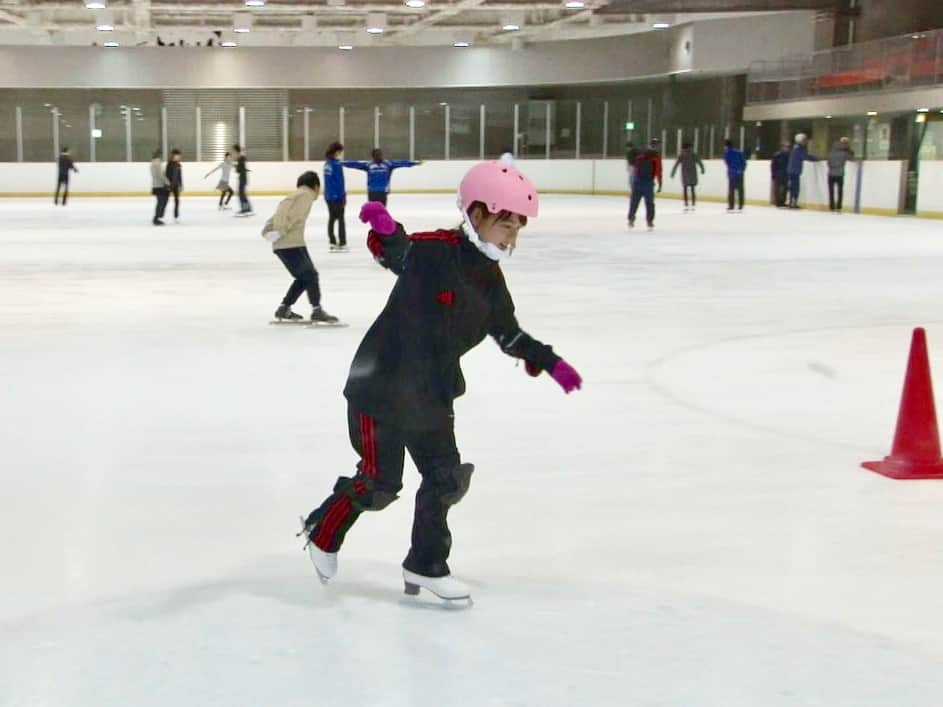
368,440
332,522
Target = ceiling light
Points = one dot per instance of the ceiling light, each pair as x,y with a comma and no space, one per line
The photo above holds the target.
345,47
828,117
105,22
228,40
91,5
376,22
661,25
111,43
510,27
574,4
872,113
242,22
461,43
255,3
923,110
415,4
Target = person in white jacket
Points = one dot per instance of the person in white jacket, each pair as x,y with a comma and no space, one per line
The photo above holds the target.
160,187
286,231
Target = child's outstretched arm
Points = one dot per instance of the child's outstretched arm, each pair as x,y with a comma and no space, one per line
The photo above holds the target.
355,164
514,341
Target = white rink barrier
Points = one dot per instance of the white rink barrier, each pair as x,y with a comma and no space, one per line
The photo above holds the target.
881,193
930,190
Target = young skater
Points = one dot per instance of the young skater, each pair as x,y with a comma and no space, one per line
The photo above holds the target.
837,159
645,171
223,187
797,158
174,176
335,194
688,161
736,163
159,187
449,295
242,169
779,173
286,231
379,173
65,165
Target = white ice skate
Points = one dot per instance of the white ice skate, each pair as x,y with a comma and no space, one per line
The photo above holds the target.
325,563
450,590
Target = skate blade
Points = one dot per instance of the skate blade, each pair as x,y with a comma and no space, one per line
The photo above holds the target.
452,603
289,322
327,325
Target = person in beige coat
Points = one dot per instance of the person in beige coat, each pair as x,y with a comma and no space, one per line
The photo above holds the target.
286,232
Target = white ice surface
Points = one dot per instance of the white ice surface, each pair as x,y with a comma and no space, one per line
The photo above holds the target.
691,529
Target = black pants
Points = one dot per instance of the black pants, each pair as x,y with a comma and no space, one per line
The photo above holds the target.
692,188
381,445
643,189
176,192
64,185
377,196
162,194
298,263
836,192
244,205
735,192
780,189
225,194
335,210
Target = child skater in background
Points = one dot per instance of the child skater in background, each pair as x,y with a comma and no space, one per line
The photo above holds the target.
689,162
379,173
286,231
335,194
225,191
449,295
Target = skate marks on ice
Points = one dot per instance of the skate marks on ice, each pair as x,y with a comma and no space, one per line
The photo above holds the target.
557,645
700,378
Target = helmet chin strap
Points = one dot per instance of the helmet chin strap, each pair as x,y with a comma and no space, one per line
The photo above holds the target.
489,250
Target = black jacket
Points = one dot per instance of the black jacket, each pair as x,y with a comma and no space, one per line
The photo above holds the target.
174,174
66,165
242,169
447,298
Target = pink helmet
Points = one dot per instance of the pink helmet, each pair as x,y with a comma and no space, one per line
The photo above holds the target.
500,187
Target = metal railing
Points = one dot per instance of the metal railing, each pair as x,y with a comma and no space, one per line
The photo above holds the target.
895,63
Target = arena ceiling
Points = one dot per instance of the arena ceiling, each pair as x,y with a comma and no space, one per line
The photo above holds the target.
327,22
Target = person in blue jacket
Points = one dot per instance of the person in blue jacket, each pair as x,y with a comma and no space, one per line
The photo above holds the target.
797,158
736,163
379,172
335,194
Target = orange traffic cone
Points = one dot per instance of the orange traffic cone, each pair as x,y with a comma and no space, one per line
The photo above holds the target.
916,451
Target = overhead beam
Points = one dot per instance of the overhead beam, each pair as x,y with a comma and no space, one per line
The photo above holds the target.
688,6
437,15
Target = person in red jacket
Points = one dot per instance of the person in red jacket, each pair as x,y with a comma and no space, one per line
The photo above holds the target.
647,171
450,293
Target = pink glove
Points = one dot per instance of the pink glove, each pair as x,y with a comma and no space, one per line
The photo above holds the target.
566,376
375,213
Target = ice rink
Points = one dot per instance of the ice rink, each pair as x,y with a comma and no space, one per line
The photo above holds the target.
692,529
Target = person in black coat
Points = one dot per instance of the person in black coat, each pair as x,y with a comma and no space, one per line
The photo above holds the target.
174,176
450,293
65,165
779,173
